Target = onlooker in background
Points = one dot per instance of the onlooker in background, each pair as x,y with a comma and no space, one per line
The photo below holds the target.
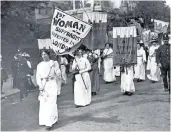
154,75
163,61
22,71
29,84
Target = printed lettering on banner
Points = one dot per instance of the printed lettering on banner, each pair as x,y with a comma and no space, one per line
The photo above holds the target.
67,31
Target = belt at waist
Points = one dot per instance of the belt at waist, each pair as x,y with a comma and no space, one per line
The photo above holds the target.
47,78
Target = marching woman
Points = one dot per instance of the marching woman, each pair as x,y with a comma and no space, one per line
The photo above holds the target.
127,76
109,74
64,63
82,82
154,75
47,76
140,66
94,74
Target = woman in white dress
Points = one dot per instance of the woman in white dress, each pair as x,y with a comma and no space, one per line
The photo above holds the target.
109,73
127,76
82,82
154,75
63,63
47,76
140,66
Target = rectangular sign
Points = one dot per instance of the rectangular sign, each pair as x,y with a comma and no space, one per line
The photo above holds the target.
67,31
160,26
124,45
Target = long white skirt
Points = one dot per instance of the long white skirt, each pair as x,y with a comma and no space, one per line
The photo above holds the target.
109,71
82,96
117,71
48,112
154,70
140,71
127,84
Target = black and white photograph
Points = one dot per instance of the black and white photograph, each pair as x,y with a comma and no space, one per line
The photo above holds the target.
85,65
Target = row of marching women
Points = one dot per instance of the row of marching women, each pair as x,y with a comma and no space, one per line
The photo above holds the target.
86,69
158,62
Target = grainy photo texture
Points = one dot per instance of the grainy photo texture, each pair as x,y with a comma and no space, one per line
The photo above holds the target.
85,65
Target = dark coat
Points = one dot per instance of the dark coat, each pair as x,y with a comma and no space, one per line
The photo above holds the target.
163,56
22,69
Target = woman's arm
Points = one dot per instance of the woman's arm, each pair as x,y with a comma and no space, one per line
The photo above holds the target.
57,69
38,77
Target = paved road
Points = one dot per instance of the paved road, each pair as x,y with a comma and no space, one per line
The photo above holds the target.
147,110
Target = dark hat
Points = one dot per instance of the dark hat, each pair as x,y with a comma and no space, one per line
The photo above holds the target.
165,36
83,47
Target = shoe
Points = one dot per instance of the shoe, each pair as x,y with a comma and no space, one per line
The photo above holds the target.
48,128
153,81
93,93
129,93
21,99
126,93
166,89
77,106
123,93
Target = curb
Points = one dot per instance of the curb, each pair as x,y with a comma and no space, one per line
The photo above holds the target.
10,95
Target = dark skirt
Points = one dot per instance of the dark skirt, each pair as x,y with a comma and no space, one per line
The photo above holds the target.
95,80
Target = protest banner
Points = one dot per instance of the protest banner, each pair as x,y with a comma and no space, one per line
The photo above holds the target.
97,36
67,31
124,45
160,26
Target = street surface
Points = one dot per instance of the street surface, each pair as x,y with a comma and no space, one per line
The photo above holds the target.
147,110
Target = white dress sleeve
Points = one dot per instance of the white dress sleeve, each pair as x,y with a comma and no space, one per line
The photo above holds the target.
144,55
57,69
74,65
38,76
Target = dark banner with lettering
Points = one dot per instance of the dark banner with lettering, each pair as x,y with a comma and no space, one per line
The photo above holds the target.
124,45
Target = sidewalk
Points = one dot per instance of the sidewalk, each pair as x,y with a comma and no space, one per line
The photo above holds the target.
8,88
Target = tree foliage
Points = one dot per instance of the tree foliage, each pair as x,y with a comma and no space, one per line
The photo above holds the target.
153,9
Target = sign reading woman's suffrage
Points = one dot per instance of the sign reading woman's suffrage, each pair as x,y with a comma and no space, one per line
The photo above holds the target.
67,31
124,45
